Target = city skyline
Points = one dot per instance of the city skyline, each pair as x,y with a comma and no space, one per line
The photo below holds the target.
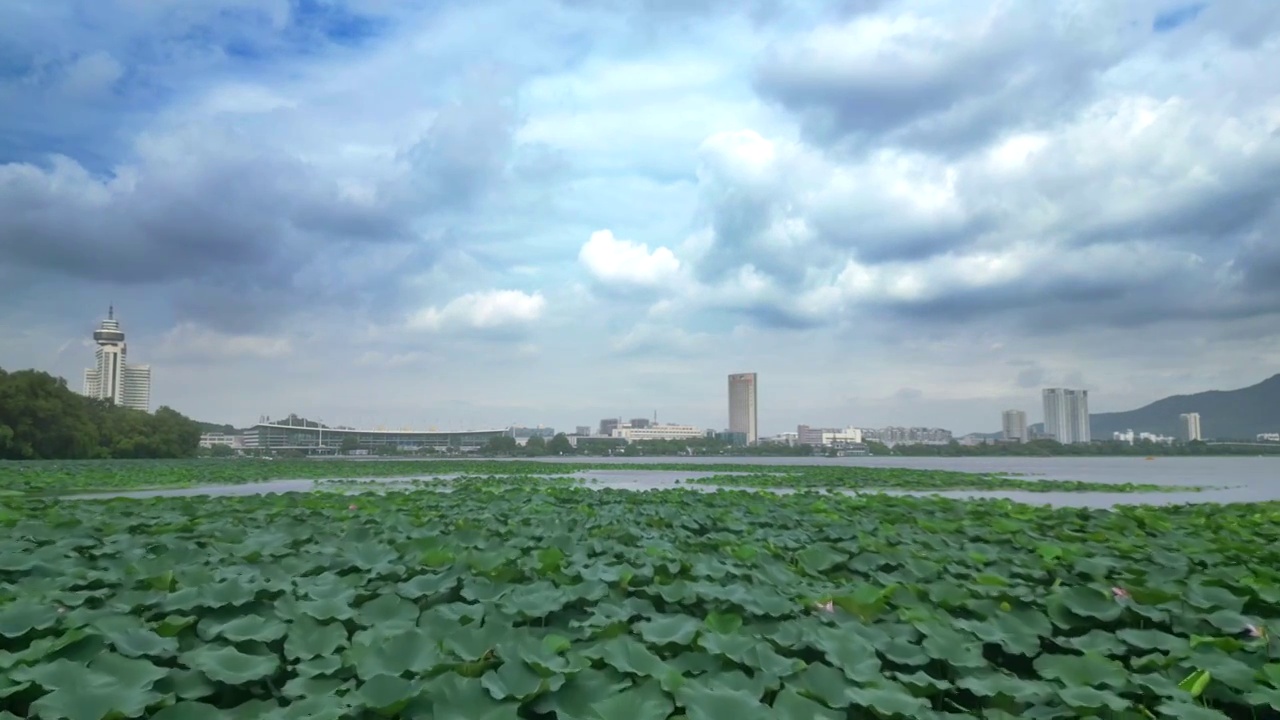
897,213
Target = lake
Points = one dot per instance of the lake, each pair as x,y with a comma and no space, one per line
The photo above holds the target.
1236,479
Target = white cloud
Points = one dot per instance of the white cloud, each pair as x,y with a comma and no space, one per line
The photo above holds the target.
612,261
189,342
487,310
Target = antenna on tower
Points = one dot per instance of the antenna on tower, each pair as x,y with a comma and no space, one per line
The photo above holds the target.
111,312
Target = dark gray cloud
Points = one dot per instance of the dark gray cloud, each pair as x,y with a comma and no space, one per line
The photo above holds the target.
947,86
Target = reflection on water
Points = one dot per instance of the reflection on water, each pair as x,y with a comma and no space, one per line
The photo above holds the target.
1238,479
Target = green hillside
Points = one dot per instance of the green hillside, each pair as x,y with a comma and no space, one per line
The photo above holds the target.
1224,414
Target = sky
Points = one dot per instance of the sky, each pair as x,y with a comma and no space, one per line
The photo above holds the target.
476,214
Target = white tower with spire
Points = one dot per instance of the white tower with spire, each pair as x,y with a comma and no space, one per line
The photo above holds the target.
112,378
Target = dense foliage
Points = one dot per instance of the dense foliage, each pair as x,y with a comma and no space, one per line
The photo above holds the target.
41,418
79,476
562,602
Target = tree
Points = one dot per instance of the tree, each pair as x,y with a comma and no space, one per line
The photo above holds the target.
41,418
536,445
349,444
560,445
220,451
501,445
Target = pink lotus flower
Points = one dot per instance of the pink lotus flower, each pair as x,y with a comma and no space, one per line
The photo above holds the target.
351,507
827,606
1255,631
1120,593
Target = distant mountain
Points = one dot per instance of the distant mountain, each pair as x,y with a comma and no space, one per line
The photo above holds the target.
1226,414
206,427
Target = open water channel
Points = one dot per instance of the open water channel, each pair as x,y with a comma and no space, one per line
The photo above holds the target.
1231,479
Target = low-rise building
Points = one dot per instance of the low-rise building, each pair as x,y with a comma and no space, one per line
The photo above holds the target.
209,439
658,432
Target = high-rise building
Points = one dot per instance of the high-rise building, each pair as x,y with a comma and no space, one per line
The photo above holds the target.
1015,425
1190,426
742,406
1066,415
111,377
608,425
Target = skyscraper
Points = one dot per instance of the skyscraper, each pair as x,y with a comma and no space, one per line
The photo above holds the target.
742,406
112,378
1190,426
1015,425
1066,415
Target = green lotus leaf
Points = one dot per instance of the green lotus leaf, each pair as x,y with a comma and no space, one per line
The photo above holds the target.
535,600
242,627
790,705
459,698
388,612
576,699
1099,642
308,638
138,642
514,679
1087,697
472,642
701,702
1086,602
645,701
94,696
1088,669
664,629
1190,711
387,694
427,584
995,684
323,665
172,625
628,655
1266,697
888,700
228,665
824,683
904,652
325,707
723,623
408,651
19,618
1210,597
309,687
188,710
327,609
1153,640
186,685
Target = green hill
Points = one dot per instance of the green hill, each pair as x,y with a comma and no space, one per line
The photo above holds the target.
1224,414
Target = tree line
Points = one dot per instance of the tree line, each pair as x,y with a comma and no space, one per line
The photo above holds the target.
42,419
538,446
1053,448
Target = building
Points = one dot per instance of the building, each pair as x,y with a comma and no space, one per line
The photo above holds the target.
806,435
658,432
840,438
640,422
1066,415
112,377
233,440
910,436
1014,426
582,430
1268,437
275,436
524,433
742,406
608,425
1190,426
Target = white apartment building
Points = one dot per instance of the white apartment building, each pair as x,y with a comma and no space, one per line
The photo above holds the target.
1190,426
1268,437
112,377
658,432
742,406
208,440
846,436
1066,415
1014,425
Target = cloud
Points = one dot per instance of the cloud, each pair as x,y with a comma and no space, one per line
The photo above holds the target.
188,342
613,262
505,206
490,310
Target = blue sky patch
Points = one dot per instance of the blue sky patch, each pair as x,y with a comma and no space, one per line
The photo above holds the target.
1177,17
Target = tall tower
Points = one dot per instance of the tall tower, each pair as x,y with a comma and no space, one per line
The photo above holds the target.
742,406
111,377
1015,425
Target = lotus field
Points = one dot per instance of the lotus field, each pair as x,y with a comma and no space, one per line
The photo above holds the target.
55,478
561,601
